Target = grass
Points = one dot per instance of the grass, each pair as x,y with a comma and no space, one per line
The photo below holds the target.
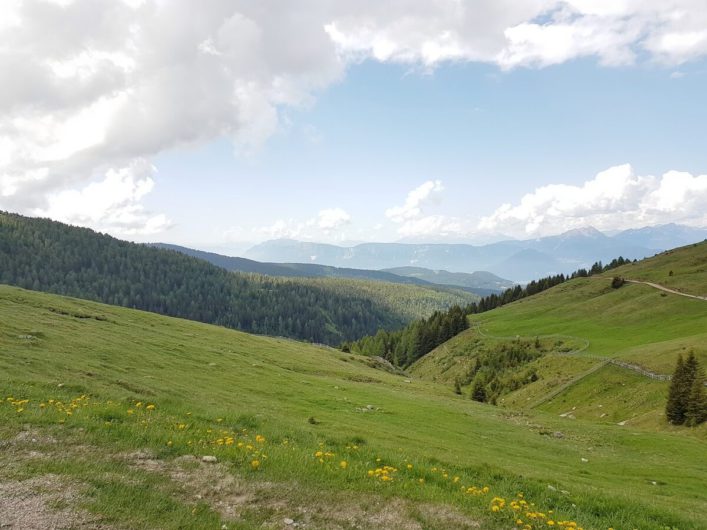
636,324
683,269
612,320
303,399
612,395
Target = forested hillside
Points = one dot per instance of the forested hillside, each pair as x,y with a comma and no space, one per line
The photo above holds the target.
48,256
298,270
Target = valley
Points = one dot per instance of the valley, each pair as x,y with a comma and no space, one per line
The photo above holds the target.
353,265
299,423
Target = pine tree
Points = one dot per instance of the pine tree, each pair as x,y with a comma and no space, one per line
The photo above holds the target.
675,408
478,392
686,399
696,407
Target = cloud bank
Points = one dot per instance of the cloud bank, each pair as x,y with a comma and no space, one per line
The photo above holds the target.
614,199
328,224
95,88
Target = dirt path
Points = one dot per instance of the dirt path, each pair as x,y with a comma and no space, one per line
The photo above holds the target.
667,290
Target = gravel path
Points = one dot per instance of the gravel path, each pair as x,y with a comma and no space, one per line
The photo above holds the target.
667,290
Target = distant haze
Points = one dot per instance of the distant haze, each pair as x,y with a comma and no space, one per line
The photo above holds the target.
516,260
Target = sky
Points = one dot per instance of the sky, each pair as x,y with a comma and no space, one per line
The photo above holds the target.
218,125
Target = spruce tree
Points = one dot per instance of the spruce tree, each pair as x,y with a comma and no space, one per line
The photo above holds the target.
696,407
675,409
478,392
686,400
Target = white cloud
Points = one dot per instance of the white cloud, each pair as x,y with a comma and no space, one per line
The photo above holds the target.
92,86
615,199
414,202
332,219
328,224
528,33
111,205
412,221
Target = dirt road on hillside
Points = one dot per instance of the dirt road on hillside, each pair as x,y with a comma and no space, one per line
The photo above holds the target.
667,290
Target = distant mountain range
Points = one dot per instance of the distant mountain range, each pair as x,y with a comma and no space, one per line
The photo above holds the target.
517,260
481,283
475,280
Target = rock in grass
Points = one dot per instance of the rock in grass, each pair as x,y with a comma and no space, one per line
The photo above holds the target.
209,459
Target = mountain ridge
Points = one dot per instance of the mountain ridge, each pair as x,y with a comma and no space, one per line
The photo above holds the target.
562,253
468,282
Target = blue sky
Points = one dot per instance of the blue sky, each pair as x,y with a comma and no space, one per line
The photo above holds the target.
489,136
424,120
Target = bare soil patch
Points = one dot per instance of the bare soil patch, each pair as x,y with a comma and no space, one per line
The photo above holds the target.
45,502
287,505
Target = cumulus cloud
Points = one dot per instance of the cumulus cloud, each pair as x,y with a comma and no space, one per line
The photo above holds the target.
110,205
529,33
412,221
332,219
328,224
616,198
94,86
414,202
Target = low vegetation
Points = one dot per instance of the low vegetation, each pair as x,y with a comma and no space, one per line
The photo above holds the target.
120,406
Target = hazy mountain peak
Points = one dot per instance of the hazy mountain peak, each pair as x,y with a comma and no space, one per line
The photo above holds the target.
585,231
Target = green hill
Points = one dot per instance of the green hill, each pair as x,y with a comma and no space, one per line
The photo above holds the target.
683,269
635,325
48,256
483,282
298,270
106,413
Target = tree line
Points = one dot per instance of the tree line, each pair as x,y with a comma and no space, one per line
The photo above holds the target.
405,346
44,255
537,286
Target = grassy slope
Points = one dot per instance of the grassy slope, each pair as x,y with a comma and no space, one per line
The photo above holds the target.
636,324
688,264
273,386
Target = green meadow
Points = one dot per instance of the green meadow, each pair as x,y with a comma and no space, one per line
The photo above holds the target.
120,406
